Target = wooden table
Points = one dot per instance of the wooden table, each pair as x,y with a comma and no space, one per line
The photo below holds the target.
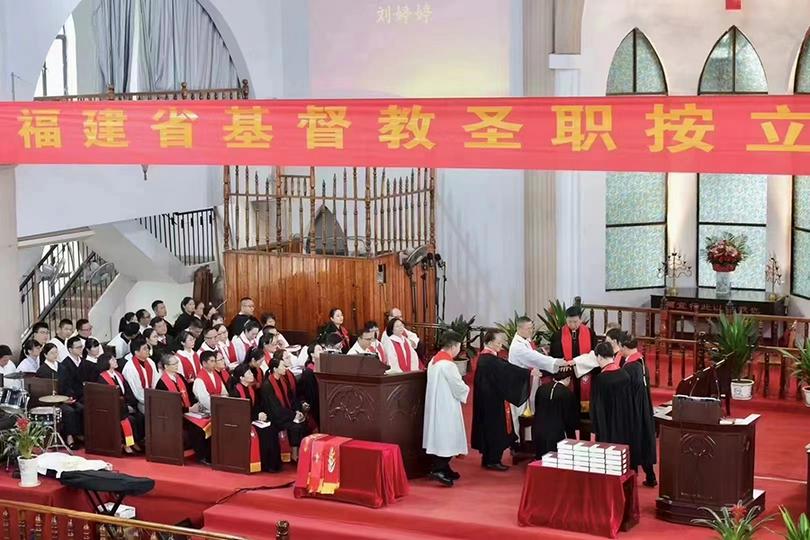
706,301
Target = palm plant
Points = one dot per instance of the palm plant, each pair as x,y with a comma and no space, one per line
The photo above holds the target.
509,327
801,363
463,328
736,339
733,522
795,530
552,321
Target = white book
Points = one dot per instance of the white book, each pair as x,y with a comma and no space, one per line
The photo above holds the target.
565,466
581,469
614,473
549,465
565,443
596,449
260,424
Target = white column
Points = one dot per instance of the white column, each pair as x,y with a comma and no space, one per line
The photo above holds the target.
10,320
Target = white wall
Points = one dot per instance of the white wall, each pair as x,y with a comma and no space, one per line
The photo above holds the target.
683,33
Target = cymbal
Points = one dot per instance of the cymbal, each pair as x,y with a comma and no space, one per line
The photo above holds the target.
54,399
15,375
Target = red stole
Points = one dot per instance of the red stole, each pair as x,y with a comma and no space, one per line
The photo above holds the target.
635,357
112,381
638,357
583,337
380,350
403,359
613,366
250,393
178,386
344,338
144,373
213,384
280,390
126,426
224,375
190,367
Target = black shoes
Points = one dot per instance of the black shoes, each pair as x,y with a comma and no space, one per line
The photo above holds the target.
442,477
650,482
451,474
496,467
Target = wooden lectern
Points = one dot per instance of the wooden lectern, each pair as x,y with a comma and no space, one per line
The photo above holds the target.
358,400
230,434
102,419
705,462
164,427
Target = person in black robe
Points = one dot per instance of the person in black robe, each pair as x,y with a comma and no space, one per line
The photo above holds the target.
107,368
71,415
556,414
246,309
281,405
643,452
243,388
612,412
574,339
497,384
187,307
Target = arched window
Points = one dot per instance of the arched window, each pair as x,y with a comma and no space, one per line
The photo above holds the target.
734,203
59,72
635,202
800,244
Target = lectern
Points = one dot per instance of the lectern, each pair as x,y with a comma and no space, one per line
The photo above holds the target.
706,462
358,400
230,439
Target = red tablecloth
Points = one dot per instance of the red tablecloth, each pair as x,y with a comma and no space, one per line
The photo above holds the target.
578,501
371,474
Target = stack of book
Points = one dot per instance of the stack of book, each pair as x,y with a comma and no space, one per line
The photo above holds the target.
600,458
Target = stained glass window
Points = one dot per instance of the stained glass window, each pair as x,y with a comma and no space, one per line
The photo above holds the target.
635,203
800,267
733,67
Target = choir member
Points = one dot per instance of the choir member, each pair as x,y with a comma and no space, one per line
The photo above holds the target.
644,452
280,403
208,383
364,343
121,342
90,354
84,329
377,346
132,421
556,414
140,372
335,325
195,327
399,352
497,385
221,369
63,331
244,388
159,308
226,347
247,340
255,361
396,313
41,333
7,367
217,319
71,418
143,318
444,436
245,315
210,340
187,306
189,359
165,342
172,381
31,350
611,399
268,345
74,371
269,319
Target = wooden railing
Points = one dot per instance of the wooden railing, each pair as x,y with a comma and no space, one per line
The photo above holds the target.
34,521
672,342
241,92
358,212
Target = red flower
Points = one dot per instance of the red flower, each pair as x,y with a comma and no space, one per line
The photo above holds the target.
22,424
739,512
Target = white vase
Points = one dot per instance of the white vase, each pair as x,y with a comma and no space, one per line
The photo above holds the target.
722,284
806,392
28,472
742,389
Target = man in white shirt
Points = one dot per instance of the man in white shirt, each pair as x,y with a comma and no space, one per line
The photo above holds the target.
208,383
121,342
63,332
364,343
7,368
140,372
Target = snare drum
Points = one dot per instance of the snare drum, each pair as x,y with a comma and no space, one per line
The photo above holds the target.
13,400
44,415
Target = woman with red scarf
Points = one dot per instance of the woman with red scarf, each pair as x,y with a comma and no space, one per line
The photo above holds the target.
244,388
335,325
281,405
399,354
132,420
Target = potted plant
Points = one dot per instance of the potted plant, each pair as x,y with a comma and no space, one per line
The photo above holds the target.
724,253
509,327
552,321
733,522
736,339
21,441
795,530
463,328
801,368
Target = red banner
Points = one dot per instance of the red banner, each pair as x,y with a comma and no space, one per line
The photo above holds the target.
733,134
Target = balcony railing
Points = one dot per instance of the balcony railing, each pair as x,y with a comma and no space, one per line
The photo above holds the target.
190,236
242,92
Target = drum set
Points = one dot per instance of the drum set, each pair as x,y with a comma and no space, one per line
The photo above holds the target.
14,403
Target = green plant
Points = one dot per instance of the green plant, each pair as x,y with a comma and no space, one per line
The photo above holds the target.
509,327
736,339
733,522
463,328
23,439
795,530
801,363
552,321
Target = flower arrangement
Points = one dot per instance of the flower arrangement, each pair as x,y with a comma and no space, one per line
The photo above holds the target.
734,522
726,251
23,439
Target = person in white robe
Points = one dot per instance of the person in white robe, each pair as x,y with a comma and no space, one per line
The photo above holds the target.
444,435
31,350
364,344
7,367
412,338
140,372
521,353
400,354
200,388
247,340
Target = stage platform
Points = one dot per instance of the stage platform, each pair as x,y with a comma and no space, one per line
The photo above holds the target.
483,504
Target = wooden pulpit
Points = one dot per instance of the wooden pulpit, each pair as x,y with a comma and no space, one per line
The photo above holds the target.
102,419
358,400
164,427
705,465
230,434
